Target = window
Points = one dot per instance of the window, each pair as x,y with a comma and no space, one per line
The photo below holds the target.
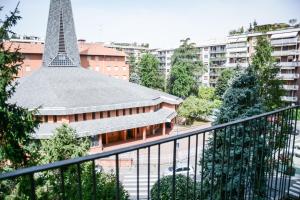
130,111
144,109
84,116
94,140
76,117
124,112
46,118
93,115
54,118
108,113
108,68
116,68
117,113
124,68
137,110
101,115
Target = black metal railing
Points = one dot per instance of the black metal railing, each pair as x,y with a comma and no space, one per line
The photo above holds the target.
249,158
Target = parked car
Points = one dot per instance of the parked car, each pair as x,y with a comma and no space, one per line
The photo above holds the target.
180,169
296,150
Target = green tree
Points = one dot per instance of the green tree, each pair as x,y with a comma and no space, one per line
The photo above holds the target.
186,70
183,188
149,72
223,82
292,22
253,92
133,70
240,100
270,87
207,93
63,145
199,107
181,83
16,123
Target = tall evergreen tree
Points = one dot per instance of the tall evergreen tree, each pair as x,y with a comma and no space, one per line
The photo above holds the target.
223,82
16,123
253,92
149,72
263,64
231,163
186,70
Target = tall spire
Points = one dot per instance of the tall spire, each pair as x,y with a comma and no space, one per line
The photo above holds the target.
61,49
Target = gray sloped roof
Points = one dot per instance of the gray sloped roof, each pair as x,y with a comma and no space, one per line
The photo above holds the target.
94,127
70,90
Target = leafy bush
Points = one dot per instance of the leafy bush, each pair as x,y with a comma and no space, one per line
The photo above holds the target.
184,188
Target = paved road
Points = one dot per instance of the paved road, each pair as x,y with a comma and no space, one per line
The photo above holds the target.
295,187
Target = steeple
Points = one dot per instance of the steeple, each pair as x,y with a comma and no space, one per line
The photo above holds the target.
61,49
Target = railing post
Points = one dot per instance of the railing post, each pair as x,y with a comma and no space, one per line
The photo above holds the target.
32,187
94,180
195,175
62,183
79,181
117,178
174,171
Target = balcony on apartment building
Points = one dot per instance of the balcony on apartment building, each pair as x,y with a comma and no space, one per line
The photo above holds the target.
214,66
207,156
286,52
218,58
289,64
238,55
288,76
289,99
236,45
238,50
290,87
213,74
217,51
244,64
285,42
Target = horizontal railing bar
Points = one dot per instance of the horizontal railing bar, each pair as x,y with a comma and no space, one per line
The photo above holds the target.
196,131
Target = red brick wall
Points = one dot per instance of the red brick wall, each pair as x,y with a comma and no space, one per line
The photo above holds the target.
110,65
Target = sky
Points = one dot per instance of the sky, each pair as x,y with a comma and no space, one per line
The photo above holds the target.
161,23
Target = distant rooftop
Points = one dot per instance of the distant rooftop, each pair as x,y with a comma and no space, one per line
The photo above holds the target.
34,47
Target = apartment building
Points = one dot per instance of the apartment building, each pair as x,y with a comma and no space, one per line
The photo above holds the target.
164,56
93,56
130,49
213,56
237,51
286,52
